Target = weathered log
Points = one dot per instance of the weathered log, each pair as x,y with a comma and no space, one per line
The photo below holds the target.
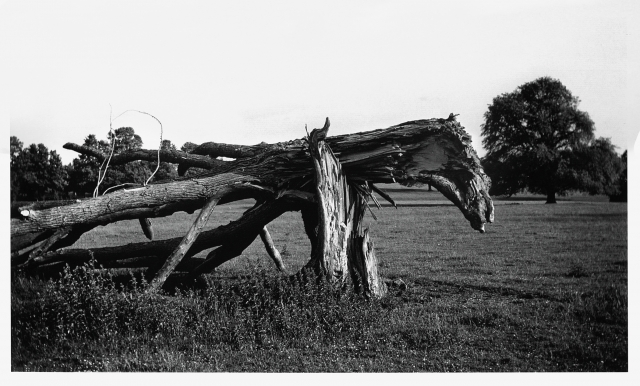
130,255
182,248
172,156
151,201
436,152
214,149
429,151
19,206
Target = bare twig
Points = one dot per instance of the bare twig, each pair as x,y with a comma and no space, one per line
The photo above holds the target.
159,147
113,146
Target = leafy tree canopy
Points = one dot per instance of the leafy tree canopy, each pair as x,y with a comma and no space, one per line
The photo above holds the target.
536,138
36,172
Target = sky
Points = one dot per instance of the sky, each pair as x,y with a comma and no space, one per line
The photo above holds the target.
247,71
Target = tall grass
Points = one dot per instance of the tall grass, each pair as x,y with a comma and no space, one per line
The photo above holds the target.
260,312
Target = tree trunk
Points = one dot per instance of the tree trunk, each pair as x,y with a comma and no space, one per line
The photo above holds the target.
551,197
184,245
330,179
364,266
339,248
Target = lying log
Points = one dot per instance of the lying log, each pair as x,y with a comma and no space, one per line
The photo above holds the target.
435,151
130,255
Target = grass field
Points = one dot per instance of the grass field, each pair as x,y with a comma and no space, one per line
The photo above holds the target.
544,289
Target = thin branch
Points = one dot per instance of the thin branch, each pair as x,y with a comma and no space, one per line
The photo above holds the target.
383,195
271,249
184,245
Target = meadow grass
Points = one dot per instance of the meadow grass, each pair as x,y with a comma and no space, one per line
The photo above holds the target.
544,289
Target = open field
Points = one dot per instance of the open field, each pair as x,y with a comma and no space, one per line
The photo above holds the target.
544,289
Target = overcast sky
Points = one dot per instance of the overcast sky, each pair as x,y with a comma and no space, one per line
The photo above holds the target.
252,71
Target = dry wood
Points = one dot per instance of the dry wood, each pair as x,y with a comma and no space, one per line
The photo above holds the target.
272,250
215,149
436,152
172,156
184,245
147,228
334,225
150,201
364,266
233,233
340,247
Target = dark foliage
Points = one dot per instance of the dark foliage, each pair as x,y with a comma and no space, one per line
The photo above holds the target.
537,139
36,172
598,169
620,192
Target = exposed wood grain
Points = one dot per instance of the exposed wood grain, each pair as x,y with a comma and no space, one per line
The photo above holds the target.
436,152
272,250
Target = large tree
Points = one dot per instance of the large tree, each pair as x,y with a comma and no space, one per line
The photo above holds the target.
328,179
36,172
530,135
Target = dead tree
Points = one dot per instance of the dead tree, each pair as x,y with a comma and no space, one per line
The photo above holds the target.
330,180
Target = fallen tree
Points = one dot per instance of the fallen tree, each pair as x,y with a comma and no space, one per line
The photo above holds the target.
329,179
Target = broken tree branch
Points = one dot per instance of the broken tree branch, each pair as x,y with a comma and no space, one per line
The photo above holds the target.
250,223
272,250
184,245
436,152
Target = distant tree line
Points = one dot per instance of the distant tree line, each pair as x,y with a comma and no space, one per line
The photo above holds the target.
537,140
39,174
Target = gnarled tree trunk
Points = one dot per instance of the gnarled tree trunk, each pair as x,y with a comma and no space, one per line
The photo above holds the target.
329,179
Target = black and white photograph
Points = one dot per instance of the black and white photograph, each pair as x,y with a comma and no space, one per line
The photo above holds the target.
436,190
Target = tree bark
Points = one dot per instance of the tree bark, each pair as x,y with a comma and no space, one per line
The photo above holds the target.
435,151
364,266
272,250
334,224
184,245
340,249
281,176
